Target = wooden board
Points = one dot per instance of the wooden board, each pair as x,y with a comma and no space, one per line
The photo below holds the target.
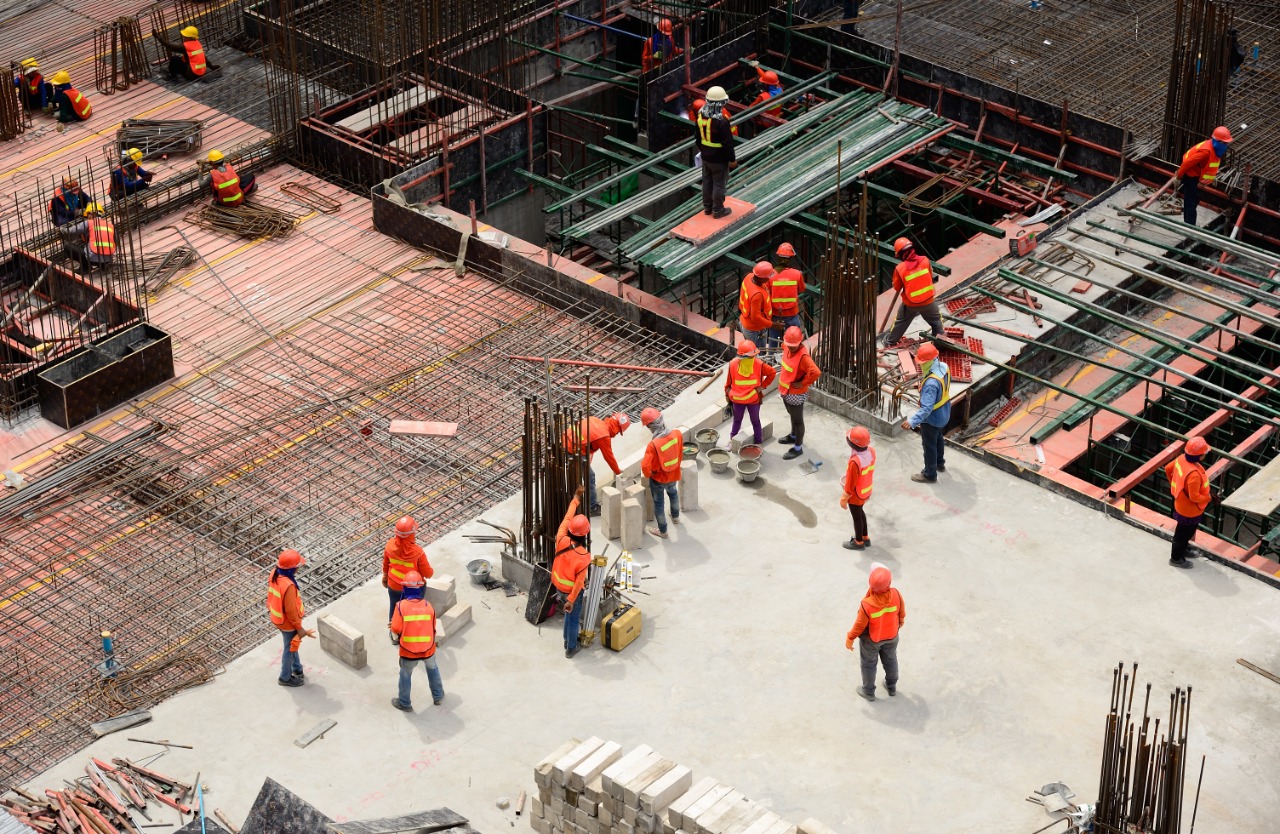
1260,495
422,428
315,732
702,227
120,722
397,105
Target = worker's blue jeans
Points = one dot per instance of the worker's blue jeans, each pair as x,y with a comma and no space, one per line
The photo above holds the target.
934,449
780,325
591,489
1190,199
290,663
670,490
572,621
407,665
757,336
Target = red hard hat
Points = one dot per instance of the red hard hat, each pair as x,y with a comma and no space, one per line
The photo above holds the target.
579,525
664,26
859,436
1197,446
793,337
622,420
786,250
649,415
1222,134
746,348
926,352
406,527
290,559
764,269
769,77
698,103
900,245
412,579
881,579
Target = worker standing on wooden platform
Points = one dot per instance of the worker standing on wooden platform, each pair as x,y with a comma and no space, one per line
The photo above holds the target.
658,47
799,371
934,412
32,87
715,145
569,569
880,616
1200,167
598,435
413,621
755,305
913,279
92,241
229,189
401,555
1189,486
285,607
661,465
67,205
71,104
857,479
188,59
785,289
129,177
744,385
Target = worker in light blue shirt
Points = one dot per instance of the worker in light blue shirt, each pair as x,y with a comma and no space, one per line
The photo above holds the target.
934,412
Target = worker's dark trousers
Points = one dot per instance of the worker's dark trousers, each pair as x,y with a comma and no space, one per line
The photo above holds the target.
795,410
859,514
394,596
1183,535
714,175
850,12
1190,199
178,68
886,651
928,312
935,448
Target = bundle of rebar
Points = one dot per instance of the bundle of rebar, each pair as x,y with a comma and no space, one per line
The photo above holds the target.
1196,102
122,60
248,221
159,137
12,118
551,471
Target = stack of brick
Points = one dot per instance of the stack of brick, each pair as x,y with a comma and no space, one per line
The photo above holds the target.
591,787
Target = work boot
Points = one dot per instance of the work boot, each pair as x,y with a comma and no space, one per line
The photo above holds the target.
595,510
793,453
298,681
942,468
440,700
654,531
870,696
573,651
706,211
299,676
853,544
921,478
893,690
395,702
788,439
722,212
675,519
1180,563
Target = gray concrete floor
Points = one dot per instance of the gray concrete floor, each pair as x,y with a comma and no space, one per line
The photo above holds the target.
1020,602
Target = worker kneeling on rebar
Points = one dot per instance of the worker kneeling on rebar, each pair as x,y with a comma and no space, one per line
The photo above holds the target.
229,189
188,60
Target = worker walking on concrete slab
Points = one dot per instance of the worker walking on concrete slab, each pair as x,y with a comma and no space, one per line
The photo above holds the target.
569,569
1189,486
715,146
92,241
402,555
661,465
284,606
744,385
1200,167
413,621
659,47
71,104
229,189
857,479
934,412
799,371
784,292
880,615
913,279
599,436
755,307
129,177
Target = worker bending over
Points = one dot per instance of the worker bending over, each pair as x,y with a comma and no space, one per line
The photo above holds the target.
934,412
744,385
799,371
598,436
715,146
92,241
658,47
71,104
661,465
285,607
858,474
401,555
229,189
32,88
186,60
68,203
1200,167
569,569
413,621
1189,486
913,279
129,177
880,616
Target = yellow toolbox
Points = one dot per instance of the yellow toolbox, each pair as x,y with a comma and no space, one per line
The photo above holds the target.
622,627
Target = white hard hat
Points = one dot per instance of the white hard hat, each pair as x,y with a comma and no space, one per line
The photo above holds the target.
717,94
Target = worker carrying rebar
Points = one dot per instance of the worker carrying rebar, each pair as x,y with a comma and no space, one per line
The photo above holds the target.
661,465
598,434
413,622
856,482
658,47
913,280
229,189
797,372
715,146
92,241
71,104
1200,167
881,615
129,177
784,291
755,304
769,87
69,200
286,609
401,555
32,87
1189,486
186,60
934,412
744,385
569,569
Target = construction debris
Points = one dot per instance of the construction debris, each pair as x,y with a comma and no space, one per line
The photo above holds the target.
120,722
315,732
250,221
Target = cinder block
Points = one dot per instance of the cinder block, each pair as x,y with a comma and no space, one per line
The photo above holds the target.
629,815
812,826
622,765
540,825
560,770
452,621
632,789
688,820
632,524
594,790
622,777
646,823
539,810
624,827
342,641
605,815
646,499
666,789
442,592
557,806
745,436
675,811
610,523
688,485
718,809
762,823
592,766
587,805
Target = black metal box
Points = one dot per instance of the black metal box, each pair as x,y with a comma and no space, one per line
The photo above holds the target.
101,376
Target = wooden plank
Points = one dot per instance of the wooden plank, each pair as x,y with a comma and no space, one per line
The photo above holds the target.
1246,664
120,722
1260,495
448,127
397,105
315,732
422,428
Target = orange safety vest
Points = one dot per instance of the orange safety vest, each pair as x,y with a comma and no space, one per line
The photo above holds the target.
102,237
195,56
791,367
34,80
398,564
917,285
418,636
276,589
764,96
226,186
883,623
1182,502
749,290
1210,172
569,562
593,427
785,289
744,379
79,103
862,486
670,448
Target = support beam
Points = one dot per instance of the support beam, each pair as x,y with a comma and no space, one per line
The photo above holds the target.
954,216
983,196
962,143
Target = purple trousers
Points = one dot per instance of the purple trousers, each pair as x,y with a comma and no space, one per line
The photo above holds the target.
754,411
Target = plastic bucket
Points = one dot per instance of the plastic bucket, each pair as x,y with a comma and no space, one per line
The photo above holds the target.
719,460
748,470
691,451
750,451
707,439
479,569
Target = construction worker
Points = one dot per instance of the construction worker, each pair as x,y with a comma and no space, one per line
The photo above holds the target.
1189,486
71,104
401,555
880,616
32,87
661,465
569,569
228,188
744,385
913,279
92,241
769,87
1200,167
934,412
715,146
413,622
784,291
67,205
698,104
599,438
798,372
755,307
188,59
658,47
857,484
129,177
284,606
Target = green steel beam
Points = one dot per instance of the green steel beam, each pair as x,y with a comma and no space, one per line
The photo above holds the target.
991,154
625,81
963,219
1165,245
561,188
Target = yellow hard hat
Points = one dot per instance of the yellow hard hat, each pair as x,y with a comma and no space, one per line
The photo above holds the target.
61,77
190,32
30,64
134,154
93,208
215,156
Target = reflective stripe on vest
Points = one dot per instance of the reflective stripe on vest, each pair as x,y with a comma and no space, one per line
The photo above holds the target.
863,486
102,237
788,376
749,290
563,584
275,600
745,381
669,461
918,285
397,568
227,185
413,638
881,627
789,294
195,56
945,381
1210,172
34,82
79,103
704,132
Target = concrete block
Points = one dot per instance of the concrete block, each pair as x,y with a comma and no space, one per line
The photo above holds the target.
442,592
622,777
632,524
631,790
688,820
625,828
594,790
342,641
744,821
675,811
812,826
623,764
646,499
544,766
610,523
709,417
540,825
629,815
745,436
560,770
587,805
782,827
711,816
666,789
581,816
592,766
539,810
452,621
744,810
605,815
759,825
646,823
557,805
688,485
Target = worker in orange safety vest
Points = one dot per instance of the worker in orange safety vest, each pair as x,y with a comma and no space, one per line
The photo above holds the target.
857,484
598,434
799,371
402,554
744,385
880,616
284,606
569,569
1189,486
71,104
755,307
658,47
228,188
1200,167
913,279
187,60
770,88
413,621
785,288
92,241
661,465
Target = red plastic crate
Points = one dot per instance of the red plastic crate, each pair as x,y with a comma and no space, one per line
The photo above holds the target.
1004,412
975,345
966,307
961,367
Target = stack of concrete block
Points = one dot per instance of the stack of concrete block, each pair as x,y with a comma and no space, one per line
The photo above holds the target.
442,593
343,641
